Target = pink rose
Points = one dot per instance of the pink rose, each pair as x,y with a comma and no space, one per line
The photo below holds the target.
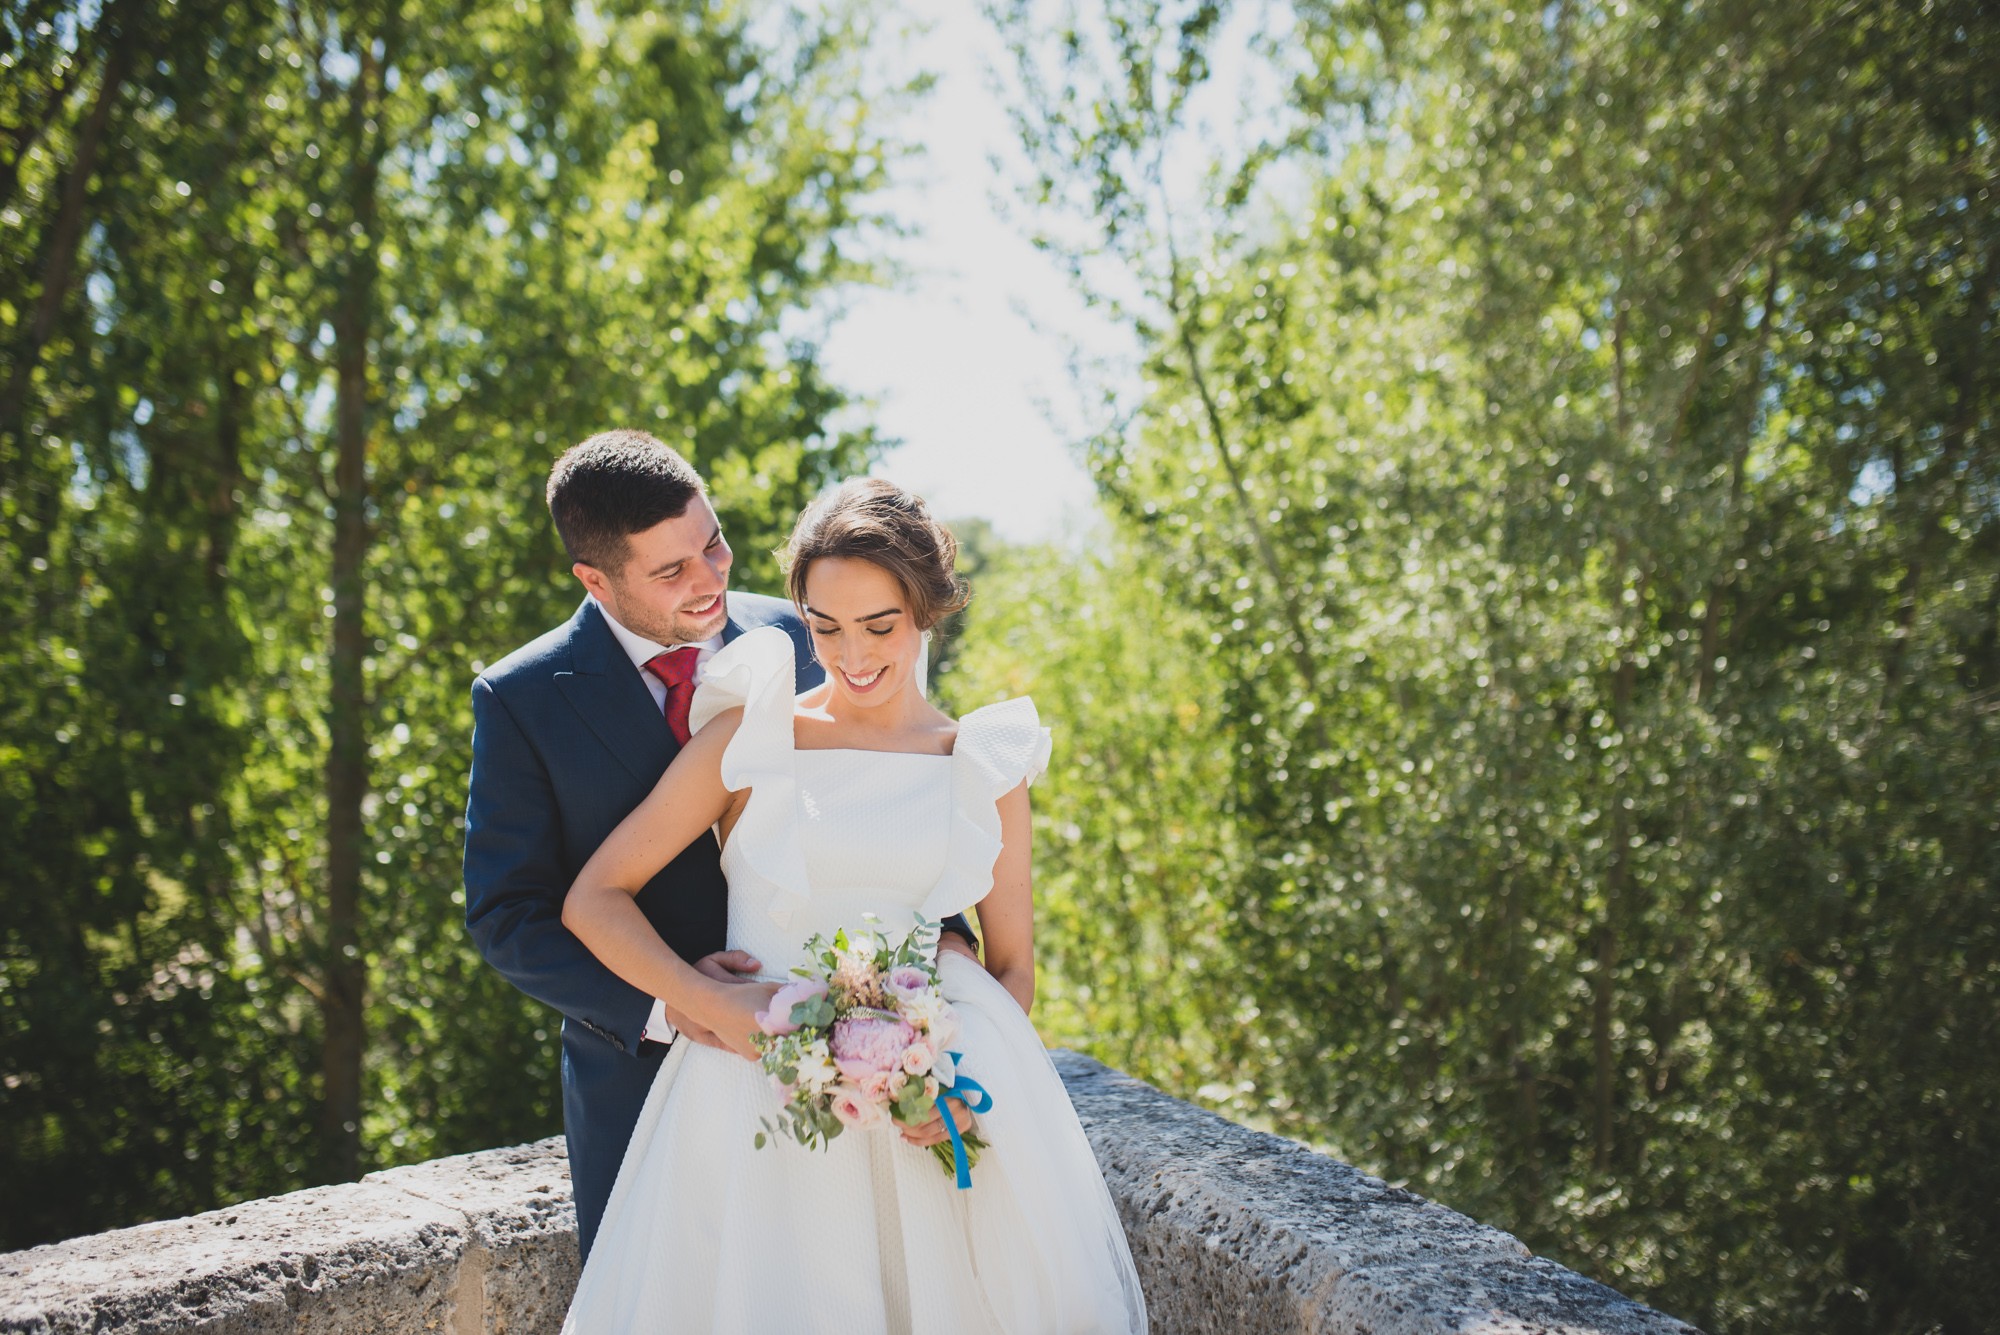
863,1044
875,1086
777,1019
854,1109
906,981
918,1057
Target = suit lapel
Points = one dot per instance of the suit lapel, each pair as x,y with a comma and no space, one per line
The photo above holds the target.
605,690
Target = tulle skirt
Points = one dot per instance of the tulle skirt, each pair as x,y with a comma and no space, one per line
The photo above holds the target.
705,1232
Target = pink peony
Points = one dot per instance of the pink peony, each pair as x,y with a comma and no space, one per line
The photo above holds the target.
864,1044
777,1020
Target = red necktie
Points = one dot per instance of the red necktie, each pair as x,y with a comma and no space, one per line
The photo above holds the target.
676,668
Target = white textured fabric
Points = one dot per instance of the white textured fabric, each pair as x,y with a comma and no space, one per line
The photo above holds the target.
706,1233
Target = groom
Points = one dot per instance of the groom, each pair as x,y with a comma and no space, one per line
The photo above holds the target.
569,733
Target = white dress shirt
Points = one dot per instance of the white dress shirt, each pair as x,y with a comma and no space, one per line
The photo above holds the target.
643,651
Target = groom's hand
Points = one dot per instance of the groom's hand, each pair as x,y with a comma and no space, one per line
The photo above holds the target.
957,944
724,966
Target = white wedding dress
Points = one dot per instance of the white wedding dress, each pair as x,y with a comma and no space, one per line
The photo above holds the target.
704,1232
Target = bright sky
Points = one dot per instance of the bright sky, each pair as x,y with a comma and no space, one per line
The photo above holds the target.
964,356
955,368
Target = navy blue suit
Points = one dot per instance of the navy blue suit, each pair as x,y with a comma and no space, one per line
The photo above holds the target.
567,740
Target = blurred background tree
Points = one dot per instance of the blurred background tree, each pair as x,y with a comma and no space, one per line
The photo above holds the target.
1548,720
299,302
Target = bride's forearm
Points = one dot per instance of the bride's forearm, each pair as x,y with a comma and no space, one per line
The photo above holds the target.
1019,980
611,926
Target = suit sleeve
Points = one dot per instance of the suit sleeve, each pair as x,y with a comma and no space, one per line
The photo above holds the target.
515,881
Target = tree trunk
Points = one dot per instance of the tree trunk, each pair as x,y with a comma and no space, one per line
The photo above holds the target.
219,498
345,981
1617,889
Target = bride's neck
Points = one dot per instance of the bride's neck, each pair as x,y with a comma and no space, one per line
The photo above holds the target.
907,712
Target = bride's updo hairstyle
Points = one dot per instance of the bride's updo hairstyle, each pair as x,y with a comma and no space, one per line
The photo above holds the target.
873,520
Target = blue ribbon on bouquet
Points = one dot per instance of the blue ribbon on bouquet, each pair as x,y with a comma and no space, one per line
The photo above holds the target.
974,1096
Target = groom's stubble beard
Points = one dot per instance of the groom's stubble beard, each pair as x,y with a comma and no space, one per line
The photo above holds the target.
675,628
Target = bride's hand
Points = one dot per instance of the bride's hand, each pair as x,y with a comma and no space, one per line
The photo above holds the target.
727,1011
723,966
933,1132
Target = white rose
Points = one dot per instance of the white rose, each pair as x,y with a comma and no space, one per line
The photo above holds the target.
816,1068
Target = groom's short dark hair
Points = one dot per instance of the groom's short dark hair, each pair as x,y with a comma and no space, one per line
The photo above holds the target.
613,485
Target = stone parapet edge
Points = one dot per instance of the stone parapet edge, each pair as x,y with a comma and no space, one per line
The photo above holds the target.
1232,1230
1237,1230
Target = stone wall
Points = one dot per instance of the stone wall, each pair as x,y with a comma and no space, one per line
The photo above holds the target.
1233,1231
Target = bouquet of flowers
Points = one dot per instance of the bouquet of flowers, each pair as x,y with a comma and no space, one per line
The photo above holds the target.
861,1040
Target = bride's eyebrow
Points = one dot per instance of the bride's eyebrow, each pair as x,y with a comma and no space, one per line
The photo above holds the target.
872,616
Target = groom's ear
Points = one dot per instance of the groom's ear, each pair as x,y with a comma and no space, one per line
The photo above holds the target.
593,579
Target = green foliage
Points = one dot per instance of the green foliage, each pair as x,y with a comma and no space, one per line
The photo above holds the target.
343,280
1133,868
1560,763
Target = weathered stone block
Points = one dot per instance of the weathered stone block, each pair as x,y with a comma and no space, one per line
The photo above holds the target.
522,1263
1532,1296
1234,1230
355,1258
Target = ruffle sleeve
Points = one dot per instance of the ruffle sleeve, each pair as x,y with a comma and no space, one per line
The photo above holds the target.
755,673
999,746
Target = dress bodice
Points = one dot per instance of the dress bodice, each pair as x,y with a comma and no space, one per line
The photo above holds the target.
829,836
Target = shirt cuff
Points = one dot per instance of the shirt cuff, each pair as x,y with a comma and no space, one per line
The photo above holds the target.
657,1029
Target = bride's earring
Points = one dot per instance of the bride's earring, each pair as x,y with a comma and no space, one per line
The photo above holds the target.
923,673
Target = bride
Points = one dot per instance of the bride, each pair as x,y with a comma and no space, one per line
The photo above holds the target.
857,798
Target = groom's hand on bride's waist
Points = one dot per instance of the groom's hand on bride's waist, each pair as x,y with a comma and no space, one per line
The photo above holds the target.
729,966
957,945
724,966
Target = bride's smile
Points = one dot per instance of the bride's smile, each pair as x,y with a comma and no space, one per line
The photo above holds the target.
865,634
